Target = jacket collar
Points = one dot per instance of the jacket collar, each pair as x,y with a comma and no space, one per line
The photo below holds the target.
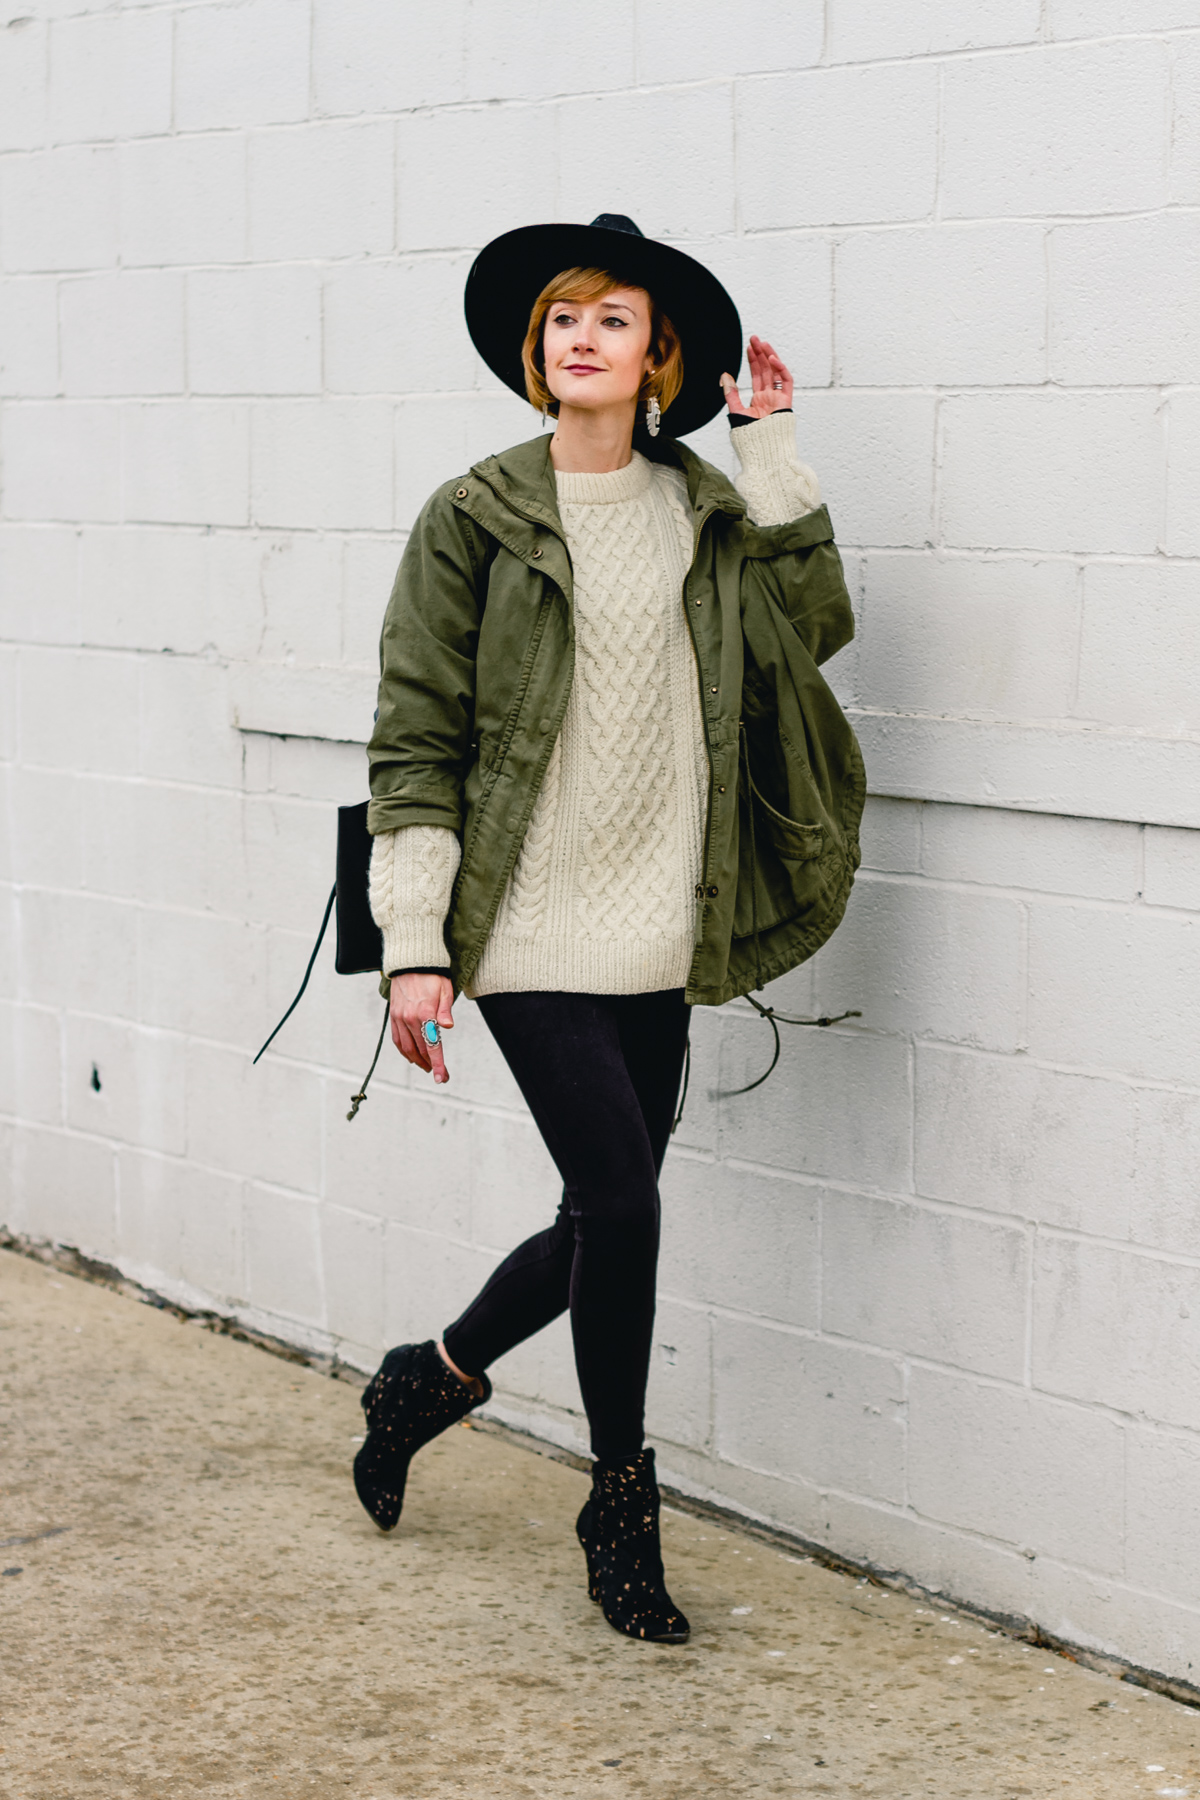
522,480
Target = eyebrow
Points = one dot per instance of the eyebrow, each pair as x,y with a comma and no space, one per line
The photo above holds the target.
614,305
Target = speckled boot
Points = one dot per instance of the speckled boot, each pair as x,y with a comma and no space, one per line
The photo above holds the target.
618,1529
410,1399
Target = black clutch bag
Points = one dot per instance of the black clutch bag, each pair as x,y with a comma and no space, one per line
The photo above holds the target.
359,949
359,939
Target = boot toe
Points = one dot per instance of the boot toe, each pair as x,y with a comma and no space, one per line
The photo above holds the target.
380,1487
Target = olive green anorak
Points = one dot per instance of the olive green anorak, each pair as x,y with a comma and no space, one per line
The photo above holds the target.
477,655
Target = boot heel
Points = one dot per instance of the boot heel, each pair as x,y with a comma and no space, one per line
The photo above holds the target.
618,1529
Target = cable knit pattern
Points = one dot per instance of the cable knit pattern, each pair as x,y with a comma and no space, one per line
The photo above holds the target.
601,898
775,485
412,874
527,898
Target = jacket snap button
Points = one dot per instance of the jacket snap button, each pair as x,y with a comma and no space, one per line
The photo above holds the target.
545,724
713,891
536,554
700,892
460,493
721,788
712,690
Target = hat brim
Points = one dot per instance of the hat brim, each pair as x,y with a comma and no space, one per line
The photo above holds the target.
509,273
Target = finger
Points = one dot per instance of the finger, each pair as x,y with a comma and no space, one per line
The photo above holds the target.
781,373
445,1013
432,1058
411,1023
755,359
733,398
407,1045
437,1063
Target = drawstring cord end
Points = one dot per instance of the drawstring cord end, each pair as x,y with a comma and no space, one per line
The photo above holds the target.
775,1020
356,1100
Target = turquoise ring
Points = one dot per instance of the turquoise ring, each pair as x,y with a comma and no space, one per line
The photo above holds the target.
430,1032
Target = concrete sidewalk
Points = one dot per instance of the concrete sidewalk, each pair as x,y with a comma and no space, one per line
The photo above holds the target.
194,1604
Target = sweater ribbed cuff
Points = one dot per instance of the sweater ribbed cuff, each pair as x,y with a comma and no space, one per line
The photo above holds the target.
412,876
775,485
414,944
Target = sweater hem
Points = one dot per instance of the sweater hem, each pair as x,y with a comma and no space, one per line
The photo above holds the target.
569,966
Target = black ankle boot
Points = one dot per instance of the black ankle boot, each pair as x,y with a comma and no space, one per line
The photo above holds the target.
411,1398
618,1529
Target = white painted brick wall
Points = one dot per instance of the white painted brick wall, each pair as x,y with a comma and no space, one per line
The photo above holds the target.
237,66
1183,475
110,76
932,1294
964,304
254,331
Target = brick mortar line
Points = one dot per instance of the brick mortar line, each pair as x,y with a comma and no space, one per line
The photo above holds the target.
330,1072
815,1334
1023,1630
916,879
1022,47
1013,1222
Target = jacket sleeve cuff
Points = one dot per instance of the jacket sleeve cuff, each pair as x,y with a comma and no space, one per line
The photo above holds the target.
412,876
775,485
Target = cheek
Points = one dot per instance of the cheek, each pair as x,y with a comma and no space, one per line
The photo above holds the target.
630,355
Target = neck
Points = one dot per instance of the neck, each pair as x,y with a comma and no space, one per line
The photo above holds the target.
588,442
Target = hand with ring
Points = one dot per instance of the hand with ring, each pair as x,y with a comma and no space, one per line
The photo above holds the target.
771,379
421,1011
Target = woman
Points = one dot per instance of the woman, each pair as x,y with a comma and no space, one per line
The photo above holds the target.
596,801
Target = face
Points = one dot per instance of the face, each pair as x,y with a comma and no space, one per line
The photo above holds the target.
598,351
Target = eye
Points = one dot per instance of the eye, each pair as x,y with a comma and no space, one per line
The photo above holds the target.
613,320
563,318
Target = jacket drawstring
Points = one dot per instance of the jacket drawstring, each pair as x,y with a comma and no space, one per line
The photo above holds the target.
687,1075
774,1019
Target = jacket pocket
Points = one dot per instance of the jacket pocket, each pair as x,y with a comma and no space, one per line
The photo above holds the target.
786,866
792,841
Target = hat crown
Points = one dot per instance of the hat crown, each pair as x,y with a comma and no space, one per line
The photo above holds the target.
617,222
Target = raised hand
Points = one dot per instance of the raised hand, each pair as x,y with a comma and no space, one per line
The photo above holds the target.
771,381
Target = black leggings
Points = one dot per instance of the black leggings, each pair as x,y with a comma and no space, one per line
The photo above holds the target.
600,1073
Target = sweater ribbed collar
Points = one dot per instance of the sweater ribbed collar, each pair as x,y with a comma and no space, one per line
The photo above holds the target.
607,489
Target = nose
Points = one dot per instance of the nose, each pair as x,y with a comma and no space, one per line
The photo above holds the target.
581,344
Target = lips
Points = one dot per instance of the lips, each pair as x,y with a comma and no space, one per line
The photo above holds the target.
582,369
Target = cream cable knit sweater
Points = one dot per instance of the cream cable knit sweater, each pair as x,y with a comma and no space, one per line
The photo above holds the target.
601,898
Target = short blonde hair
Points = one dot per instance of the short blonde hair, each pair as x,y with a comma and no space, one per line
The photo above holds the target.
592,284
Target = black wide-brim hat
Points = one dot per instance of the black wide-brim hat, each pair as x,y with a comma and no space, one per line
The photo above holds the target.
509,273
